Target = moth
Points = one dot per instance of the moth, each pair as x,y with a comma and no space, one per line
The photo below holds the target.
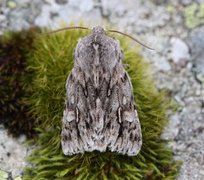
100,113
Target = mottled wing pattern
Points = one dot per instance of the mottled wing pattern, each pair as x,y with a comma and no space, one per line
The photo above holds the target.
99,111
100,122
128,137
74,130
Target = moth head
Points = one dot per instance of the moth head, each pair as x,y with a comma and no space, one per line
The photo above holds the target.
98,30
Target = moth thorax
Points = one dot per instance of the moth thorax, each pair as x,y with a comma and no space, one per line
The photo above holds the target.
96,51
96,73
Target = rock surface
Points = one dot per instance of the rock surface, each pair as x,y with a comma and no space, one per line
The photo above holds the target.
12,154
196,43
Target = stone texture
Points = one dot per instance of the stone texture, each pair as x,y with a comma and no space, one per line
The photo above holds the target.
180,50
12,153
196,43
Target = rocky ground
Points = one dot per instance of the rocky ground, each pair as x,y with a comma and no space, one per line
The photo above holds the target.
174,28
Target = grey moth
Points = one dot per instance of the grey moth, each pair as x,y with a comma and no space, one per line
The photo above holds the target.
99,109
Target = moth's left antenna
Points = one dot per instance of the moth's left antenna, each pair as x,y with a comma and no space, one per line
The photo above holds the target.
66,28
115,31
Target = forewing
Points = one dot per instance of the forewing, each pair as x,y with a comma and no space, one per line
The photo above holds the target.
129,138
75,133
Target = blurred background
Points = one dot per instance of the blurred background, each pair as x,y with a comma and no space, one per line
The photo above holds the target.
175,29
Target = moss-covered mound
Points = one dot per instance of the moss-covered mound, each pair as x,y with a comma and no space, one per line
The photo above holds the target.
15,48
51,65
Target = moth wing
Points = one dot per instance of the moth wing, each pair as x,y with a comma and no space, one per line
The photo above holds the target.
74,136
129,138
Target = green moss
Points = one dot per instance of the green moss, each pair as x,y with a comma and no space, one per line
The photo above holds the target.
194,15
51,65
15,48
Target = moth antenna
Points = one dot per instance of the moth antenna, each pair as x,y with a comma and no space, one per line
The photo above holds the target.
67,28
134,39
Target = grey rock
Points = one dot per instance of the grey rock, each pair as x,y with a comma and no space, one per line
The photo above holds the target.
158,57
86,6
171,131
23,15
196,43
12,153
83,6
186,2
180,51
71,12
162,64
61,2
4,10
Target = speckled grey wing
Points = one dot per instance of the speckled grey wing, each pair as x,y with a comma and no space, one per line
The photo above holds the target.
117,127
71,143
122,120
77,130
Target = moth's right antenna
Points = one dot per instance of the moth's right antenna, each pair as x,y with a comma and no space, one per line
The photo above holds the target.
67,28
131,38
